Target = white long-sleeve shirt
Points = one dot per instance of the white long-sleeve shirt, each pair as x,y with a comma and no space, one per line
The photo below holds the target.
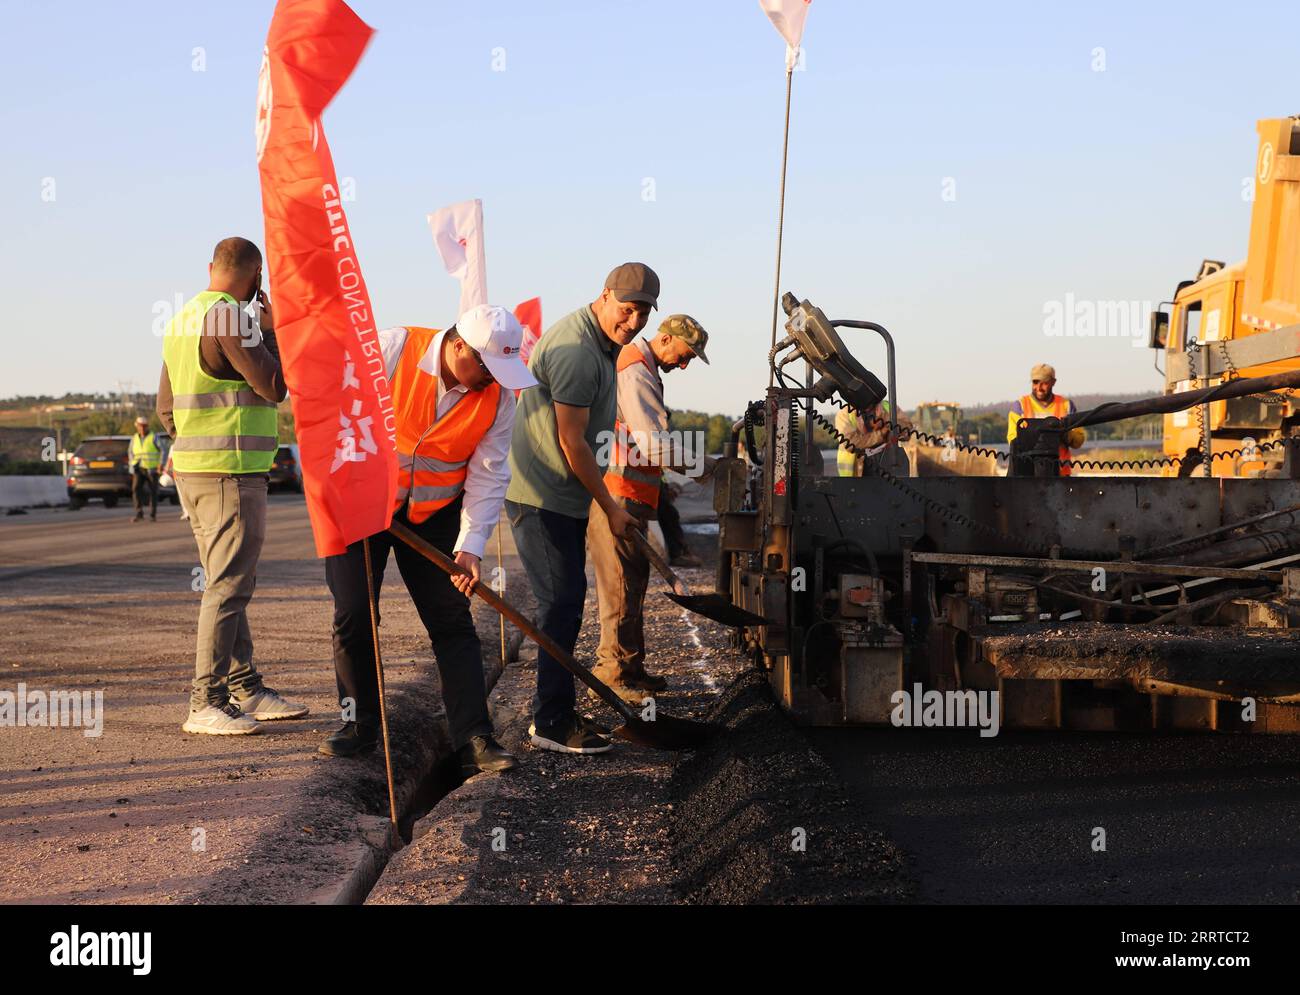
488,472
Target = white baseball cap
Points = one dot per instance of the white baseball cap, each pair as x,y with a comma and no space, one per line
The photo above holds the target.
496,335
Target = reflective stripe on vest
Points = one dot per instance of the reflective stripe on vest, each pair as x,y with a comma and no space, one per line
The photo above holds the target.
222,426
144,451
630,475
1029,408
433,453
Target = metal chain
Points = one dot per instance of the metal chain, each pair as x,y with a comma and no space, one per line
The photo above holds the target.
906,432
1235,374
873,464
1203,440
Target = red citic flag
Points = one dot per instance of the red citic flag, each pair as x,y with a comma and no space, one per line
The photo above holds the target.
325,325
529,314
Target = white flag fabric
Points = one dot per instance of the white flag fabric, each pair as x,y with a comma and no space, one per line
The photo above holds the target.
458,236
788,17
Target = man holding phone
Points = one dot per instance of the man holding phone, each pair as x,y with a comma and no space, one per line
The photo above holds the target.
217,397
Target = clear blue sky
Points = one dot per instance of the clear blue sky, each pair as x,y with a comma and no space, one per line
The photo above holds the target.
1106,185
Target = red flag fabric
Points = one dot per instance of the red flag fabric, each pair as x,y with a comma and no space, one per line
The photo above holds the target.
529,314
325,325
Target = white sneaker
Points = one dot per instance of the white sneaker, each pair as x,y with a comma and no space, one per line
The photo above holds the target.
267,706
227,720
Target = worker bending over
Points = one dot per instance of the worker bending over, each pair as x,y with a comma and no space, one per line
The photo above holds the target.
454,402
641,450
1041,402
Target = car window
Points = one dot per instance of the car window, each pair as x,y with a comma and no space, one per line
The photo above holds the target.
102,449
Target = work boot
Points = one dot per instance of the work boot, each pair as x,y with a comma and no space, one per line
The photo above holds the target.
483,753
153,516
634,696
569,736
686,559
628,680
220,720
351,740
266,705
643,680
139,517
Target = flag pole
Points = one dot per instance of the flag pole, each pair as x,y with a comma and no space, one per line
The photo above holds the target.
501,575
379,673
780,219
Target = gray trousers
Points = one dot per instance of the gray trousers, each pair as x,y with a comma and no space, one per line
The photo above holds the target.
228,516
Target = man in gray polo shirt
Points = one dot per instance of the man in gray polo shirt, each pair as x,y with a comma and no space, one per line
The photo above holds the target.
554,477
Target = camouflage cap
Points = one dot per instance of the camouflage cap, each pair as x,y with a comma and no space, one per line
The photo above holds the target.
690,331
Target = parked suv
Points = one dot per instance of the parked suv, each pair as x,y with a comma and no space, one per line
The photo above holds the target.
100,468
286,472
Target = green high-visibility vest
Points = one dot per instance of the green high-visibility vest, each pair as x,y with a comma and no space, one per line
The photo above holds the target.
222,426
144,451
845,459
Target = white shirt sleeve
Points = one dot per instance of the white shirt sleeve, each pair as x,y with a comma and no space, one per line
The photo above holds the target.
486,480
641,407
391,341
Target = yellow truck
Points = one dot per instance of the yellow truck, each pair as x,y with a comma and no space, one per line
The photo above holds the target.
1241,320
942,420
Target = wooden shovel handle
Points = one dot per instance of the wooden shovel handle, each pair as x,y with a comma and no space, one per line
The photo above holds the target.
441,559
658,562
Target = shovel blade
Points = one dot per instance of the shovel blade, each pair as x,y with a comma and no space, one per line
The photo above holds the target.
666,732
714,606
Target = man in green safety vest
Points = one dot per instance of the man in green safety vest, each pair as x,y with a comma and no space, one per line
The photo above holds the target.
145,462
221,382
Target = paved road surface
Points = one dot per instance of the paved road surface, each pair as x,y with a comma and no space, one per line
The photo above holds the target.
1188,819
91,601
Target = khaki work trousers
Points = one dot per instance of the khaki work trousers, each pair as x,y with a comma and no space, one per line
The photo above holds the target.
228,516
622,576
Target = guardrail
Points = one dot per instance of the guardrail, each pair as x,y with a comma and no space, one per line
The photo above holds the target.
32,492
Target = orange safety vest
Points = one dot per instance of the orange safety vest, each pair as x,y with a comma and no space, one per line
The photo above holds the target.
1060,408
630,475
433,459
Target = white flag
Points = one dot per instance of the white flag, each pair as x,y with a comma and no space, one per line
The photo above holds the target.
788,17
458,235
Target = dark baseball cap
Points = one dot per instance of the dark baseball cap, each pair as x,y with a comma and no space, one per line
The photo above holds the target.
634,282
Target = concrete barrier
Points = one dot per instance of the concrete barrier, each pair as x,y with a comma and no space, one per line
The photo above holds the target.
32,492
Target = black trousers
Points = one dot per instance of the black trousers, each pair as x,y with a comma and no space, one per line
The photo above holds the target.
144,482
671,523
443,610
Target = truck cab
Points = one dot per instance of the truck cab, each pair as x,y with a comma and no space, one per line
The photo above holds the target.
1240,320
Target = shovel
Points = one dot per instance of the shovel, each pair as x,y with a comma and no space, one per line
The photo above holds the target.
712,605
663,732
